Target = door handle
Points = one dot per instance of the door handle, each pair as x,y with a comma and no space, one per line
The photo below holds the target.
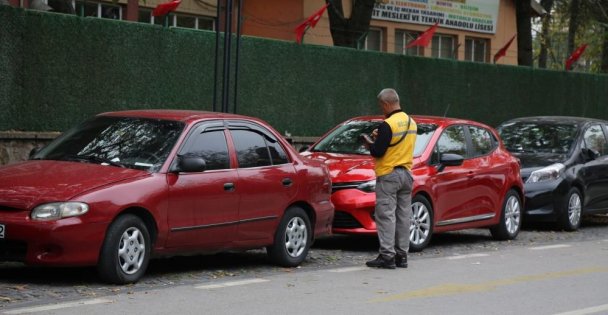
470,174
287,182
229,186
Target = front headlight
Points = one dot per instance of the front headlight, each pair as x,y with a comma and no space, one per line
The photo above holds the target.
551,172
58,210
368,186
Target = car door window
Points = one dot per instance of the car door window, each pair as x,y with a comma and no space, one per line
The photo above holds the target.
211,146
251,149
482,140
595,139
451,141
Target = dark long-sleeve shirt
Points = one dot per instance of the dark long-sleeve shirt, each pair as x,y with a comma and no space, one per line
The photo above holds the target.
383,140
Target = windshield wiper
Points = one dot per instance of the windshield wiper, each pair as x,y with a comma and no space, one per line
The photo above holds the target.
95,159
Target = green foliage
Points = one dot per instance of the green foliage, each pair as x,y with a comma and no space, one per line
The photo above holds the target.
57,69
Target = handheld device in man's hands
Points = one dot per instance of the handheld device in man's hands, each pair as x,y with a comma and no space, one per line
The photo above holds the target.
367,138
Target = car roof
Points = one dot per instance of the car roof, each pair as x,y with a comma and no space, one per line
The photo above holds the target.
426,119
174,114
555,120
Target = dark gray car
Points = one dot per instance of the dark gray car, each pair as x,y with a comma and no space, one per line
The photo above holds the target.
564,165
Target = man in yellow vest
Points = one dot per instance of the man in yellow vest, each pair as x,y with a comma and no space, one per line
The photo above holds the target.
392,146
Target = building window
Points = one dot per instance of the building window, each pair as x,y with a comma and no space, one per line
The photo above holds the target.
373,41
99,9
444,46
402,38
178,20
476,49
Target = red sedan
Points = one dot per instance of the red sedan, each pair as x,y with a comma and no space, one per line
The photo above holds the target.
463,178
125,186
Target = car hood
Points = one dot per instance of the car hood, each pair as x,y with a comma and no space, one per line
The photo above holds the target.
345,168
538,160
26,184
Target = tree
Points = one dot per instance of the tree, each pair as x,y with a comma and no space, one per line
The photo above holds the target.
523,12
347,32
545,40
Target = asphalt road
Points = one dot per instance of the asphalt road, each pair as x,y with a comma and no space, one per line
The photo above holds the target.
572,261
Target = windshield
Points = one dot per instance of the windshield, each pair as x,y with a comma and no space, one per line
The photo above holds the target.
119,141
538,137
346,138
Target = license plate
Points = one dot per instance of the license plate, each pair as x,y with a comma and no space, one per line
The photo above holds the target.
1,230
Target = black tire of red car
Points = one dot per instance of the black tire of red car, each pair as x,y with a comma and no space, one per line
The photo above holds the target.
570,216
510,218
125,252
419,222
292,239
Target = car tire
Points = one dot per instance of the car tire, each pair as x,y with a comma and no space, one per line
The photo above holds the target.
421,223
125,252
510,218
292,239
571,214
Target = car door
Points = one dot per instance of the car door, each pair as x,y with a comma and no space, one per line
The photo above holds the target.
486,186
594,173
203,206
451,187
267,181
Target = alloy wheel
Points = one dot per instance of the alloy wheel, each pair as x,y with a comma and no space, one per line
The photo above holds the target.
512,214
296,236
420,223
574,209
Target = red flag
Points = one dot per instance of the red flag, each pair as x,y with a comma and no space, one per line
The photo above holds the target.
164,8
503,51
311,21
575,55
425,38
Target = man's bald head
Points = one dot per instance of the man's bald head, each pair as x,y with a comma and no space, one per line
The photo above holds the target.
388,100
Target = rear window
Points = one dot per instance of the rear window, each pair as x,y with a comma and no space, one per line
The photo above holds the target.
538,137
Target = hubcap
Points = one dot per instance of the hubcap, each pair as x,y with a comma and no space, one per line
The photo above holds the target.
131,250
512,215
574,209
420,223
296,237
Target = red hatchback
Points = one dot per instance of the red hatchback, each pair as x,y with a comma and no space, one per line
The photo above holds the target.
463,178
125,186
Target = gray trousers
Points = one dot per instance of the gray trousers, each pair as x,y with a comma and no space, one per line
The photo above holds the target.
393,211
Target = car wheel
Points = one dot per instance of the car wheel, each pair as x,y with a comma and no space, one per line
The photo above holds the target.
421,223
510,218
125,252
570,217
292,239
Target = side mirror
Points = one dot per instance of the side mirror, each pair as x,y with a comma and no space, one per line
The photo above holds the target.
303,148
449,159
190,163
589,154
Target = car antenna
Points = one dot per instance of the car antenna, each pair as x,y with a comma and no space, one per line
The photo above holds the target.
446,110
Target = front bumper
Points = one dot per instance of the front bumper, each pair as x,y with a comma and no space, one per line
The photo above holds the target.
354,212
65,242
544,200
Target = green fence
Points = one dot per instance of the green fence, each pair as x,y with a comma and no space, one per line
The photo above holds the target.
56,70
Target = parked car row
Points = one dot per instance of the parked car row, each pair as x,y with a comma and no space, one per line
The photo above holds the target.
548,169
123,187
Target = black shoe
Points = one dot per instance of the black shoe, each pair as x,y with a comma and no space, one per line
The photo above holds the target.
381,262
401,261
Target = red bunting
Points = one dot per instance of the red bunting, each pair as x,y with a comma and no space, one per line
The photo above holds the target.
575,55
311,21
164,8
425,38
503,51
